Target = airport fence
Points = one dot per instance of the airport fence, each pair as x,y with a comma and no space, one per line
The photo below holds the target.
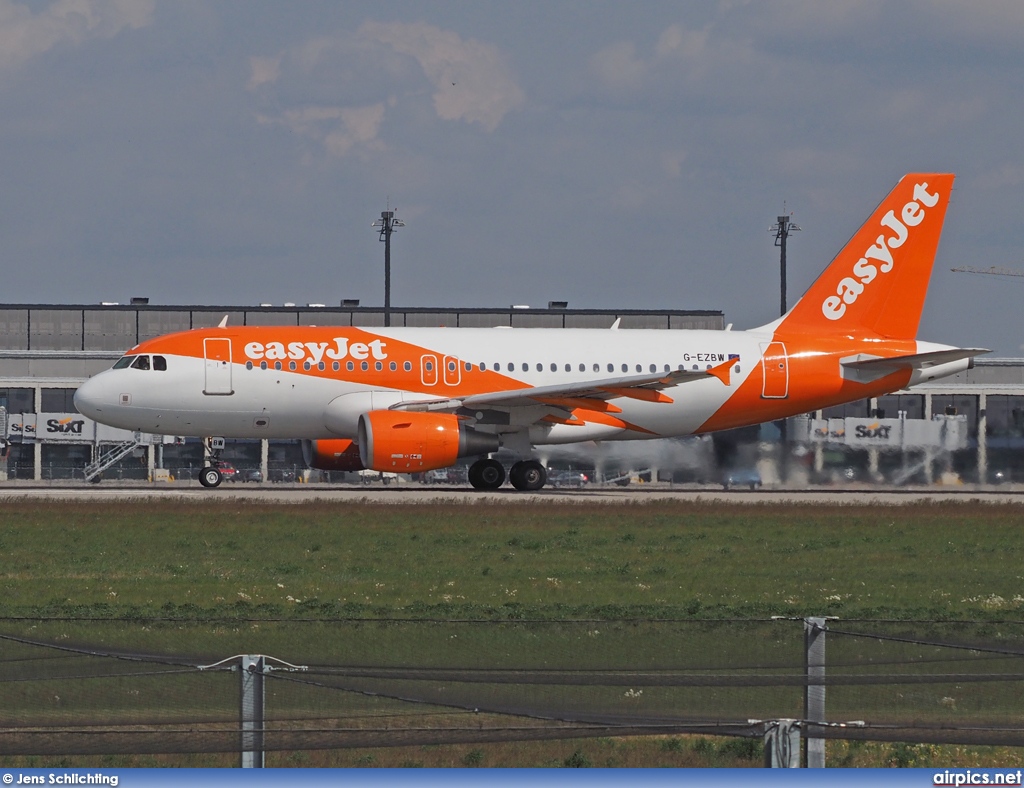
249,685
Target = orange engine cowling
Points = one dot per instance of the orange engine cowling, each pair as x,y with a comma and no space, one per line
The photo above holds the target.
332,455
401,442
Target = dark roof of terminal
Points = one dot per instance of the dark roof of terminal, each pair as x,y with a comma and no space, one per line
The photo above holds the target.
362,309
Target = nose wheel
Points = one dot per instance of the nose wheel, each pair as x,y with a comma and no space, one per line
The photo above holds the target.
210,477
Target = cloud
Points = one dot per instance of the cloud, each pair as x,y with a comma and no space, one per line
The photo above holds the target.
25,35
472,82
339,129
619,67
263,71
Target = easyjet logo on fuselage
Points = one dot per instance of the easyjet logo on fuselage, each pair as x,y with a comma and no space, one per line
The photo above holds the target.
864,270
337,349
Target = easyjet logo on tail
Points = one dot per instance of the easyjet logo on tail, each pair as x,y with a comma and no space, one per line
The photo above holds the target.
878,257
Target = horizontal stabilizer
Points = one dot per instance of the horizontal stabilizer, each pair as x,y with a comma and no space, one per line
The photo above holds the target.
865,368
914,361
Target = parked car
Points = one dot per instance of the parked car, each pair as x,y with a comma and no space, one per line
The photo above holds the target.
742,477
227,470
250,475
567,478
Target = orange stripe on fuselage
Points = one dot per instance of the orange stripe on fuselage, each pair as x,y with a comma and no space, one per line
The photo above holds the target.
816,381
295,343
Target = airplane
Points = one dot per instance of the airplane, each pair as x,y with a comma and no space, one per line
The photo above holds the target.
410,400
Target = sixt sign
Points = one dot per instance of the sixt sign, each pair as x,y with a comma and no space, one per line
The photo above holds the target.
65,426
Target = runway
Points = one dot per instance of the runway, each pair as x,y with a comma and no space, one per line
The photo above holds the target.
424,494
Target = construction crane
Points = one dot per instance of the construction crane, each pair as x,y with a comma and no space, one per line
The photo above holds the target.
995,270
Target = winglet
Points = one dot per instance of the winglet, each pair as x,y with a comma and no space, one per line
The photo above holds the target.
223,322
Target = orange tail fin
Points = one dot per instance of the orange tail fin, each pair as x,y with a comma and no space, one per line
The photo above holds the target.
878,282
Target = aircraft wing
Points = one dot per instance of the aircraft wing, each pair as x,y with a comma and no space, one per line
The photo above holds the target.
592,395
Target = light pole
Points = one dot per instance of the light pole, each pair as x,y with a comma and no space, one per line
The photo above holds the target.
387,224
782,229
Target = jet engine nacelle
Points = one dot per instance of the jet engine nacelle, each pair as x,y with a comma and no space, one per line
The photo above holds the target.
412,442
332,455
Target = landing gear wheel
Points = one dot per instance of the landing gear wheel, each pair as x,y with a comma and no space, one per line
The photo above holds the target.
210,477
486,474
528,475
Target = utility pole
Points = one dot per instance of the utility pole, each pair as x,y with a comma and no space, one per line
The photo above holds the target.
387,224
782,229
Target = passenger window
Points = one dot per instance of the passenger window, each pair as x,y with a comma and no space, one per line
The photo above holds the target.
526,367
568,367
540,367
654,367
511,367
125,361
365,366
248,365
336,366
379,366
277,365
611,367
625,368
350,366
141,362
263,365
407,366
321,366
583,367
159,363
291,365
393,366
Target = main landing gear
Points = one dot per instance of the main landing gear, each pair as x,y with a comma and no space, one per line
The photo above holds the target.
526,475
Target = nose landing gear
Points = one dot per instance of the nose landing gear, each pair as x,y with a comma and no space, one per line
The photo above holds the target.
210,475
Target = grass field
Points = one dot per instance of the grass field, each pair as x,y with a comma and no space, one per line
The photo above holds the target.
657,586
674,560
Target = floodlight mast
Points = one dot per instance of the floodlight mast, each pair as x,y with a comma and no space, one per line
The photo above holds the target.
387,224
782,229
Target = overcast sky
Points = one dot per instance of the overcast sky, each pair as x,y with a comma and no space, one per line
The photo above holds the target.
612,154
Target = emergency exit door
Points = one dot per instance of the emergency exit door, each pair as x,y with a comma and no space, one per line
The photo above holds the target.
775,365
218,366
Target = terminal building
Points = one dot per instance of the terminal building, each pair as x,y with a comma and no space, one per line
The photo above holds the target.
969,427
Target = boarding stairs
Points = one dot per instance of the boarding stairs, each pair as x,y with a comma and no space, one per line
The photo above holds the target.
111,454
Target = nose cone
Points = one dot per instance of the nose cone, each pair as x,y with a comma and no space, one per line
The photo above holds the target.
89,399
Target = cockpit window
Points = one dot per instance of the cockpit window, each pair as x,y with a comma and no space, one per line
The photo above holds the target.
159,363
141,362
124,361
